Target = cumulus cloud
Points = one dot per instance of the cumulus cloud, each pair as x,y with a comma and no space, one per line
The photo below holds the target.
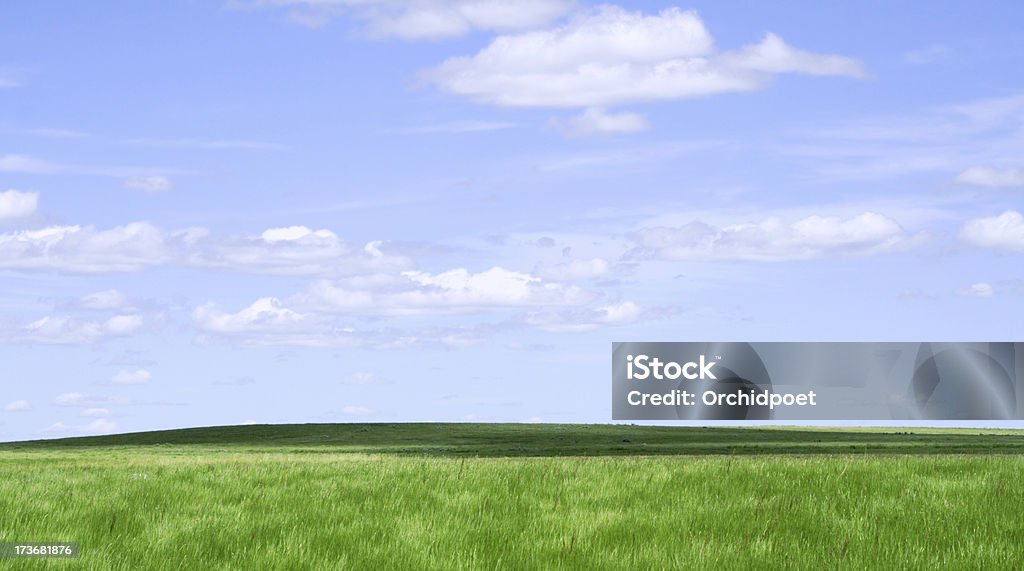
309,318
611,56
293,250
980,289
127,377
84,249
267,322
17,204
426,19
265,314
991,177
296,250
774,240
596,121
1003,232
64,330
453,291
150,184
18,406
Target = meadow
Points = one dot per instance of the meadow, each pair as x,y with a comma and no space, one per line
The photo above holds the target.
470,496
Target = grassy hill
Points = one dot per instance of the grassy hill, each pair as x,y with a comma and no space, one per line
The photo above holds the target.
519,440
482,496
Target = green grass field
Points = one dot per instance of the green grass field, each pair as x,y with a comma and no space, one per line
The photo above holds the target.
470,496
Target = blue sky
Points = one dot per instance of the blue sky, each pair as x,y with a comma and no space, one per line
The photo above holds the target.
341,210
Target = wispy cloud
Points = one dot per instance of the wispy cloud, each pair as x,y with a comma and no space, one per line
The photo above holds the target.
596,121
149,184
775,240
991,177
206,144
979,289
942,140
455,127
928,54
421,20
25,164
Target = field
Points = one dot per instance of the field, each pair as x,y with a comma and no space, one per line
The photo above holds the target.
469,496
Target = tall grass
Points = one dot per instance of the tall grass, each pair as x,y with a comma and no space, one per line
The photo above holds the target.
193,508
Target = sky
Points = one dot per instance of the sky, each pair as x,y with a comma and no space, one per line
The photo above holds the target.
266,211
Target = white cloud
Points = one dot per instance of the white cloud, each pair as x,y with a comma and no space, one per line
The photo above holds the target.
573,270
66,330
578,321
96,412
991,177
78,249
774,240
265,314
123,324
453,291
18,406
296,250
357,410
1003,232
17,204
980,289
611,56
150,184
427,19
106,299
267,321
136,377
596,121
62,330
98,426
